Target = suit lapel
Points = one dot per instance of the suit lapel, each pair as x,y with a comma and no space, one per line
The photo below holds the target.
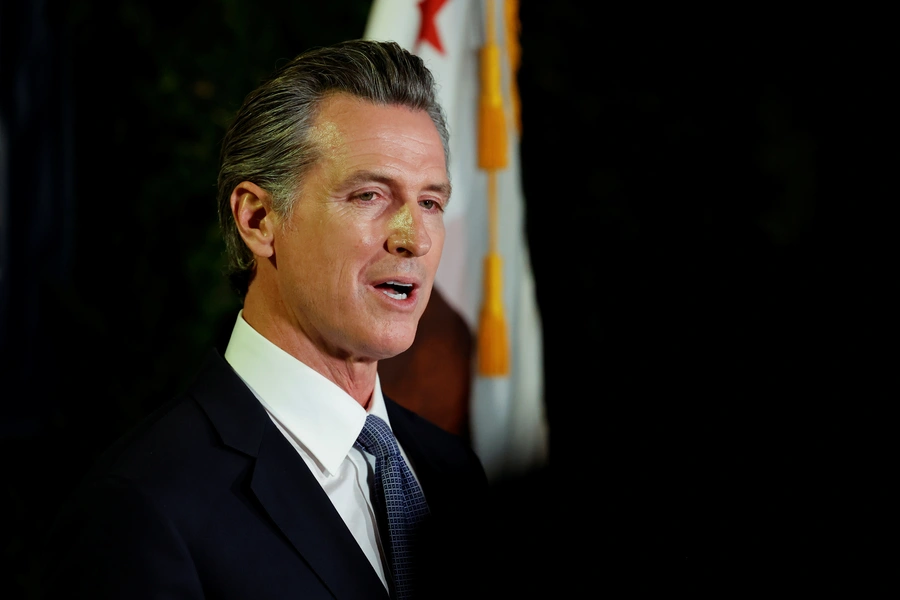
296,502
428,471
284,486
450,480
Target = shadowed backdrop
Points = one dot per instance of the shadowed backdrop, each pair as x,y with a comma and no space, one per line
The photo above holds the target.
704,196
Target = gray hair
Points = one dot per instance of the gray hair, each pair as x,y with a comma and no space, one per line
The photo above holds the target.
270,144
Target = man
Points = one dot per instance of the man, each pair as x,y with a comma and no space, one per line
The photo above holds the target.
250,484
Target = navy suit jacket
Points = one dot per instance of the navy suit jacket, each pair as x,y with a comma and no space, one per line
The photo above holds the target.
207,499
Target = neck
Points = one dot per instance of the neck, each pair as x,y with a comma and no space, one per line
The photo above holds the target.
354,376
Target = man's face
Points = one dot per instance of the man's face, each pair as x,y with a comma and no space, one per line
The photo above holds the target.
357,258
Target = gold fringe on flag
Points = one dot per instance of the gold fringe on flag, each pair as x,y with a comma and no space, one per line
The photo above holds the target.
493,342
514,51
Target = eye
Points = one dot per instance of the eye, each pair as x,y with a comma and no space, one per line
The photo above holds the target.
430,205
366,196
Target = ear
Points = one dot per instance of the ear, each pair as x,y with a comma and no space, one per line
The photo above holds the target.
251,207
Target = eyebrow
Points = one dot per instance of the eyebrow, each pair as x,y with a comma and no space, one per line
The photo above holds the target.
360,177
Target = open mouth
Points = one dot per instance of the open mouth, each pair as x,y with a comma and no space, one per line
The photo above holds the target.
397,291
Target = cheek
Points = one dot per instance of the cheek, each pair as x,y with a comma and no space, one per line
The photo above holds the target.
337,242
437,243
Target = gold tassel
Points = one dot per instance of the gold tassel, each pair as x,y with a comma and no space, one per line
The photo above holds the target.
492,152
493,346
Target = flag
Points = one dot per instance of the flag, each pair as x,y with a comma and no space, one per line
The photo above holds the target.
485,220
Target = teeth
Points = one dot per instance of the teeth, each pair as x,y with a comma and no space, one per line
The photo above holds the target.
396,296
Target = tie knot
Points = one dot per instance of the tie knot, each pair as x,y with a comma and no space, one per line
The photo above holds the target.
377,438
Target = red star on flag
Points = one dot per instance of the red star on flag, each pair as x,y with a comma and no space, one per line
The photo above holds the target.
428,31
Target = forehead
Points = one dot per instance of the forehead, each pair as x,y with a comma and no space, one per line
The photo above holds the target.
345,123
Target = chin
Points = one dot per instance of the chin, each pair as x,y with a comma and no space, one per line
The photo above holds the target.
392,345
392,350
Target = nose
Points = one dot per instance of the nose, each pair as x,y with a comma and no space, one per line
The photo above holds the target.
407,233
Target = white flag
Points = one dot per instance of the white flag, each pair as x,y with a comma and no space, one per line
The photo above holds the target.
507,414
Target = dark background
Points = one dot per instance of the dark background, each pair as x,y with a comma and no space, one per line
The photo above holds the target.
707,196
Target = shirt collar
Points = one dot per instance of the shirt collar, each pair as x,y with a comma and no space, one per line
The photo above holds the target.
320,416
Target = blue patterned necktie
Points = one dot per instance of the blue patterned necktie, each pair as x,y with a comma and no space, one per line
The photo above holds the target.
399,500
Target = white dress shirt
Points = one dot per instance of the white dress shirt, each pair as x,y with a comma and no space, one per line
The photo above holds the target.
322,422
